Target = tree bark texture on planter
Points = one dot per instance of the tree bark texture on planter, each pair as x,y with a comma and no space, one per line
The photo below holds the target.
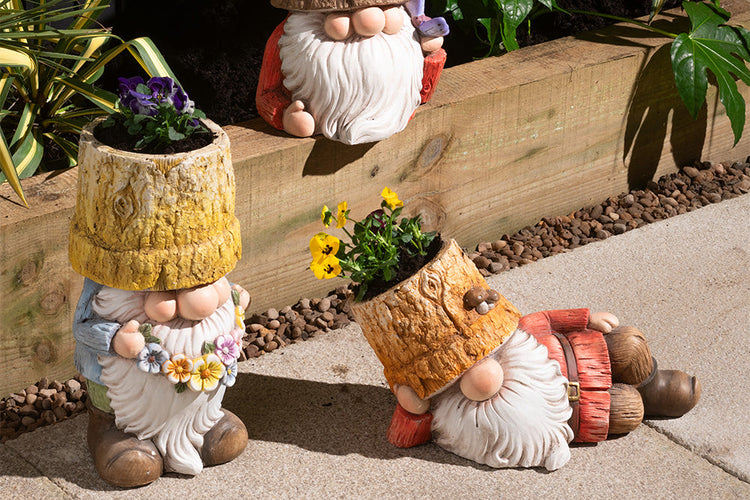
420,329
125,234
539,132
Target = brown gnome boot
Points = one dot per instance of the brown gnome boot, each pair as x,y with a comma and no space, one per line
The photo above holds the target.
121,459
225,441
669,393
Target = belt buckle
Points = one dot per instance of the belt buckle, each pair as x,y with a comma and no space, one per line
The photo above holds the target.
574,391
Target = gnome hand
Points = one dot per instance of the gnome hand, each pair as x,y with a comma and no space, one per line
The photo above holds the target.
244,296
603,322
128,342
430,44
409,400
297,121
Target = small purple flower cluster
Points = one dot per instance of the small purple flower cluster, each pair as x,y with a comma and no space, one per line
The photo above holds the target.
144,98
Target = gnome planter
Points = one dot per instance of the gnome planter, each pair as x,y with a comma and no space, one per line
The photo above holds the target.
158,325
352,70
503,392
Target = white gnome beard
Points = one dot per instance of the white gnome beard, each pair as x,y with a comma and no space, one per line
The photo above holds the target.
359,90
524,425
147,404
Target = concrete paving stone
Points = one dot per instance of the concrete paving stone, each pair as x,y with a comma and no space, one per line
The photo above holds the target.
20,479
685,282
317,411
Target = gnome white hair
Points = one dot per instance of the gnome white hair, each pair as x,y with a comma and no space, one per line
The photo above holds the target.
523,425
147,404
358,90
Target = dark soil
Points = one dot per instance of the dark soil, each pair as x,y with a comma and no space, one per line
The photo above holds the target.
216,48
117,136
690,189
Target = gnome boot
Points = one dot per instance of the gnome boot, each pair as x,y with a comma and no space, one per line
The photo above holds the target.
121,459
669,393
225,441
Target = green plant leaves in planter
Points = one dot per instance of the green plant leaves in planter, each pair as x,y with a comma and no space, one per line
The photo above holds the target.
712,46
52,55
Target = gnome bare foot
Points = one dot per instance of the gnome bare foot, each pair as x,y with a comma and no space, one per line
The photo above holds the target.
225,441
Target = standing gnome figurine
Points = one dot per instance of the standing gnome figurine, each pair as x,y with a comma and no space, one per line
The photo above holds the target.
352,70
158,325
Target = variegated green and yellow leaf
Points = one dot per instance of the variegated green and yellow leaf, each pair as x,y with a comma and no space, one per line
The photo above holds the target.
105,100
70,149
25,122
28,156
150,58
9,170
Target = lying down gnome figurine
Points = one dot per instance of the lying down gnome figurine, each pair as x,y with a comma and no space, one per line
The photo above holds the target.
508,393
158,325
352,70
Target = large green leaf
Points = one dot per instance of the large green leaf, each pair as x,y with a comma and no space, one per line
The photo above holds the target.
514,12
712,46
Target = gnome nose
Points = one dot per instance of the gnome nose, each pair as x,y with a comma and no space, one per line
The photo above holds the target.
483,380
197,303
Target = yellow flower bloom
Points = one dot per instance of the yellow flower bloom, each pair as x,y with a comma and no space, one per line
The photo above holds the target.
341,214
323,245
325,215
177,369
207,371
239,317
326,268
391,198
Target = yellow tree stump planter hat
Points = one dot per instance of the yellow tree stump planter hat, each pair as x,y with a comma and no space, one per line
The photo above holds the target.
158,327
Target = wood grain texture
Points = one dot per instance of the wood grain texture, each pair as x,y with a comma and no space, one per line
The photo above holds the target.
542,131
420,330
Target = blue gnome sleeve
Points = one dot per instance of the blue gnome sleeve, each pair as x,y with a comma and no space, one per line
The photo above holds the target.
93,334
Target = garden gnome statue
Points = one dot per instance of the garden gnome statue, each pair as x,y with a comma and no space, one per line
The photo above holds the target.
507,391
352,70
158,325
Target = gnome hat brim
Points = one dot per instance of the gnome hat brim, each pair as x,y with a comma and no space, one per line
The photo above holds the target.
311,5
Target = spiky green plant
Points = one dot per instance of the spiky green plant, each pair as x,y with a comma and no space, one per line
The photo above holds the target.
52,52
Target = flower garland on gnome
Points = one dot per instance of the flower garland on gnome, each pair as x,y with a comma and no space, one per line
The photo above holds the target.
477,378
158,326
352,70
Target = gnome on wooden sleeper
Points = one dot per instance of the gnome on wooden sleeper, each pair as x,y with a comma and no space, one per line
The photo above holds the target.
507,391
158,325
352,70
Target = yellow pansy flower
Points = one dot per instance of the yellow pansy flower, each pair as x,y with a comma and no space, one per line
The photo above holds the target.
391,198
341,214
325,215
323,245
326,268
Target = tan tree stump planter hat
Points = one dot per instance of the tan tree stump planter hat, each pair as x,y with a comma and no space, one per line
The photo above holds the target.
422,333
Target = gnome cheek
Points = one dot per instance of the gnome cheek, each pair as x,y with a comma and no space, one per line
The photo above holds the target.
394,20
161,306
338,26
483,380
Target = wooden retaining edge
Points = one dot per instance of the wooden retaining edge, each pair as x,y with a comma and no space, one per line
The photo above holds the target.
541,131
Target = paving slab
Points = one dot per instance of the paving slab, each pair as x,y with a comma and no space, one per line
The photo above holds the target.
20,479
685,282
317,411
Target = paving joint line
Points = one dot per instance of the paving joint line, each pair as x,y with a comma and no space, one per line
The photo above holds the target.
705,456
15,452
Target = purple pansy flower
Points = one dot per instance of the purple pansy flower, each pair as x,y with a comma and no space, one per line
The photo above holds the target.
230,375
226,349
151,358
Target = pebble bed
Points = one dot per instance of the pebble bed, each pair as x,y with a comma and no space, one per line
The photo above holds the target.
692,188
